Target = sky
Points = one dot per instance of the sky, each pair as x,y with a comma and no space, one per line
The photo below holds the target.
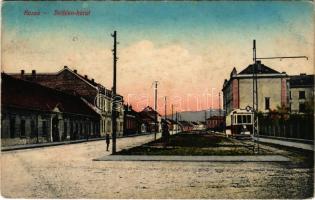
188,47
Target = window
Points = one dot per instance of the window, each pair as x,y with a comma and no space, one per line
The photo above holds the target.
33,129
248,119
244,118
65,129
108,106
44,127
267,103
22,128
302,107
109,124
239,119
12,127
301,94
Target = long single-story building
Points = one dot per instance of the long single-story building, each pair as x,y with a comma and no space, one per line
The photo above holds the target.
32,113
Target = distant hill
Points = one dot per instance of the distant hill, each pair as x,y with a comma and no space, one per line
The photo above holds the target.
196,115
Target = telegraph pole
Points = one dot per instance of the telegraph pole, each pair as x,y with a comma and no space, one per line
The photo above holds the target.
219,104
172,117
255,96
155,108
165,108
114,112
255,87
176,121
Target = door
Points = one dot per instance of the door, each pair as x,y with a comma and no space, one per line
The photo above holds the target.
55,129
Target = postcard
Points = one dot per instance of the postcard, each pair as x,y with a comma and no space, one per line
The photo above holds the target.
157,99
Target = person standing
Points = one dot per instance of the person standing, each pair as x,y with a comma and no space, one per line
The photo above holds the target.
107,141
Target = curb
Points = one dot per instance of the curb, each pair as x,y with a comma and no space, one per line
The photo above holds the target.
285,143
140,158
33,146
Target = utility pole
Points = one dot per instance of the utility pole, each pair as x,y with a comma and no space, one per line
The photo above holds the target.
205,119
155,108
255,87
176,121
255,96
165,108
172,117
219,104
114,112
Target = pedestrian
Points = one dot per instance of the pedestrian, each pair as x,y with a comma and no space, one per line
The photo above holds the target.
107,141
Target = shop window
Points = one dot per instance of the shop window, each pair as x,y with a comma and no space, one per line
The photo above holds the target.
12,127
33,129
44,128
22,128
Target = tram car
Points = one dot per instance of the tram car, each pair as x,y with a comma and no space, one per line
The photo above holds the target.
239,123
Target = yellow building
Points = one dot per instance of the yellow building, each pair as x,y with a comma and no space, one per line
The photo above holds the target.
272,89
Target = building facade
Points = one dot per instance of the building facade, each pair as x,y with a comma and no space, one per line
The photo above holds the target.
185,126
152,119
94,94
273,89
301,93
133,123
216,123
32,113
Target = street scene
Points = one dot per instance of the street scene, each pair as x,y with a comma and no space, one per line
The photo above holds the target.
157,100
69,172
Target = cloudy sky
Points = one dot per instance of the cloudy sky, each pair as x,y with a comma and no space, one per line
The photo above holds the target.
189,47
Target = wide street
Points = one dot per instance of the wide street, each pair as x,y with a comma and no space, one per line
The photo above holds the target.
68,171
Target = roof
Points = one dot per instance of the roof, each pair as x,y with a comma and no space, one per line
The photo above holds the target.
185,123
194,123
216,118
24,94
51,77
259,68
129,111
301,80
150,111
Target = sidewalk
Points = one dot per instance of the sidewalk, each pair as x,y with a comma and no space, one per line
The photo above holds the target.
39,145
282,142
258,158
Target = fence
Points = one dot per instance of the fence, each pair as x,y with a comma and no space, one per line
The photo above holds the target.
287,126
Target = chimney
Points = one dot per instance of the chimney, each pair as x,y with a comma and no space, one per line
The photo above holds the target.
75,71
33,73
22,72
258,64
65,67
92,80
86,77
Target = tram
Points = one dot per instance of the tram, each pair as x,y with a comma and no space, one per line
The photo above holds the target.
239,123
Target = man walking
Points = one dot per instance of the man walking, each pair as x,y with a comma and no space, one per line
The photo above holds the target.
107,141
